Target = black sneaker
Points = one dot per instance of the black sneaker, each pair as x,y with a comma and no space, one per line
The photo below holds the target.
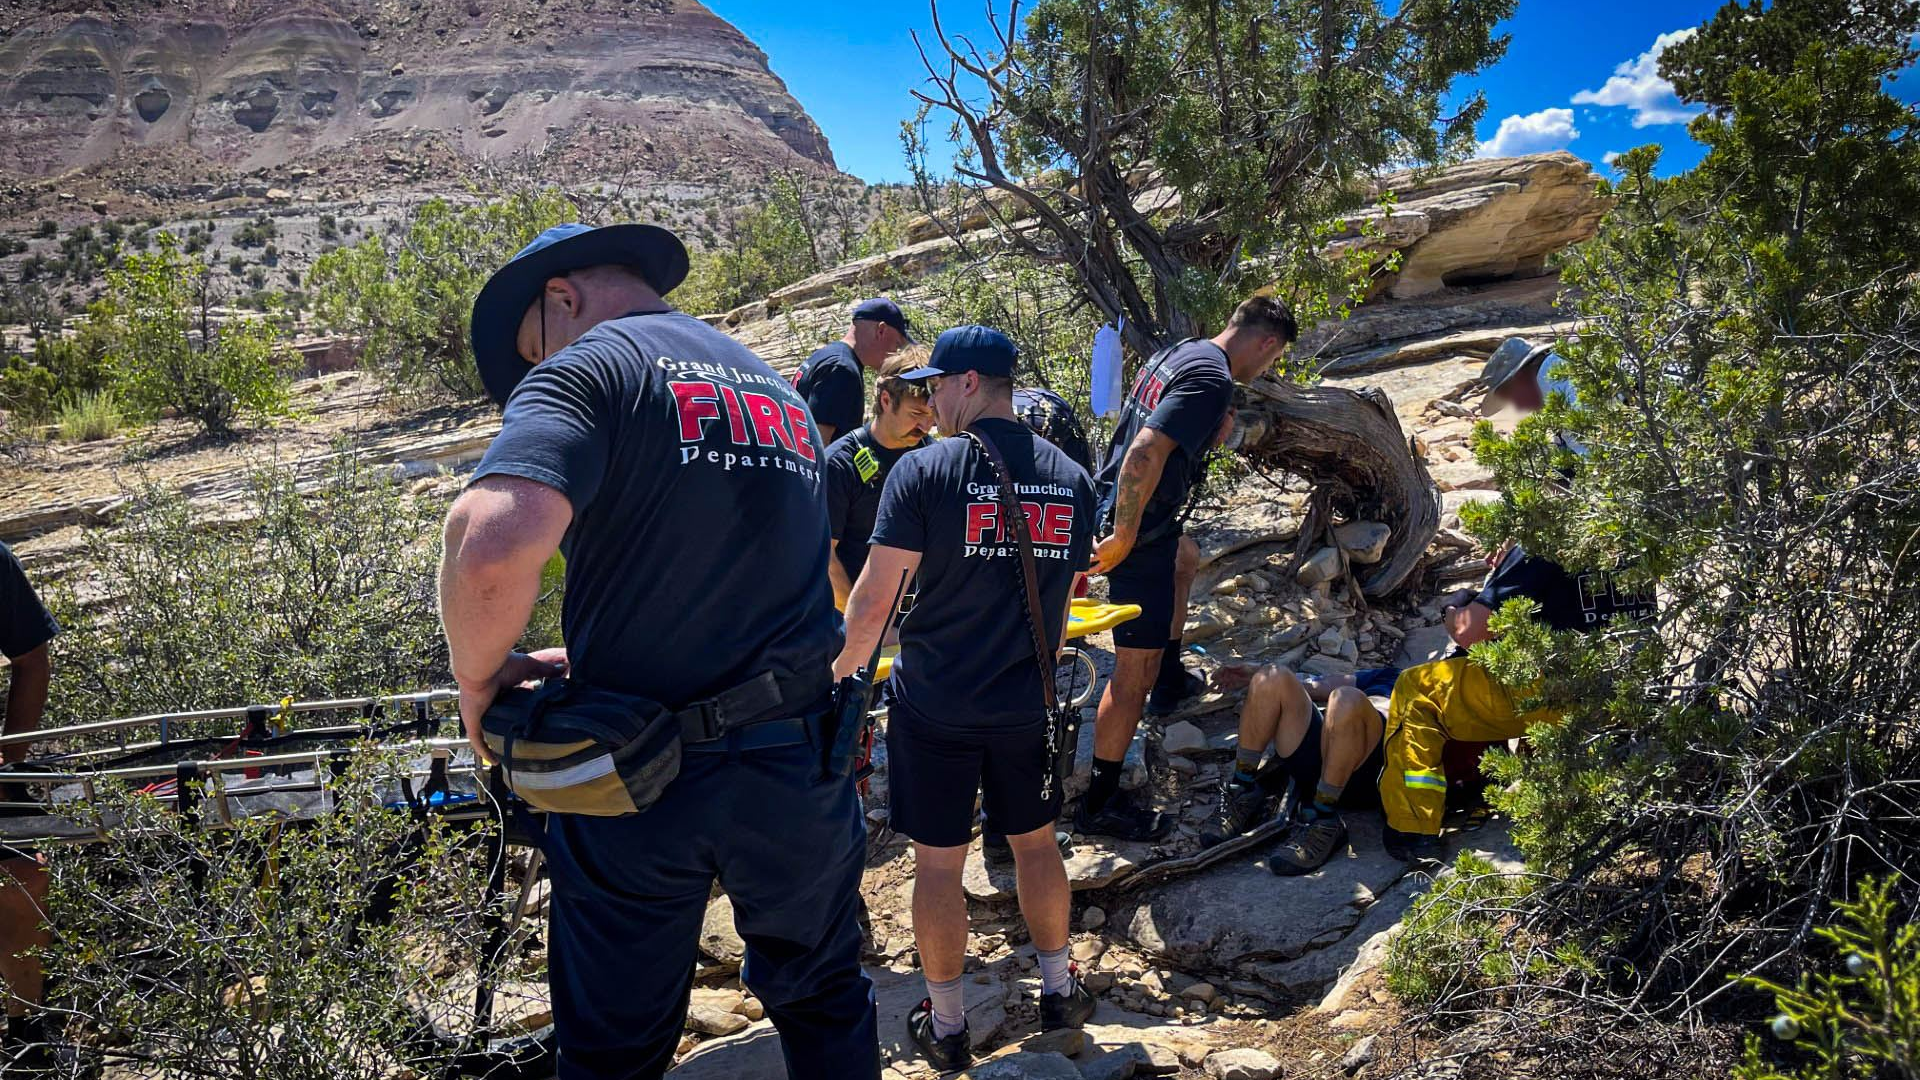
1242,808
1313,842
948,1054
1067,1010
1168,696
1122,820
1416,849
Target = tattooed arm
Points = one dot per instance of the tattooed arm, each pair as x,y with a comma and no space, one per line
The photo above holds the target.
1139,475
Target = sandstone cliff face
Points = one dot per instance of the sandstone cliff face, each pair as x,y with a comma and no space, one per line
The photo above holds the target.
257,84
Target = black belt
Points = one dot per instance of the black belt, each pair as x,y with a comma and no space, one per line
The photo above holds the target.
760,735
756,703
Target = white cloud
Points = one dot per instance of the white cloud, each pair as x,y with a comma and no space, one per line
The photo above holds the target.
1548,129
1637,85
1609,157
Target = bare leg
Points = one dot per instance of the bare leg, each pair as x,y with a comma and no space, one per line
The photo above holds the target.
1186,565
1123,701
940,910
23,902
1045,897
1352,730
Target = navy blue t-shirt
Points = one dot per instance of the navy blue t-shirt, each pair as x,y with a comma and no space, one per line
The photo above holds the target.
699,509
966,656
857,469
25,623
833,386
1585,601
1053,419
1184,396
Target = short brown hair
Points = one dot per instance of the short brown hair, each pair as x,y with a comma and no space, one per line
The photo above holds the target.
896,388
1268,314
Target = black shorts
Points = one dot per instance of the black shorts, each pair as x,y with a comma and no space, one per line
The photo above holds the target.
1304,764
1146,578
934,771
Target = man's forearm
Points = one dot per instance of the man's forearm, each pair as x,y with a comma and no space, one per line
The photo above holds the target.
836,573
1139,475
26,699
866,621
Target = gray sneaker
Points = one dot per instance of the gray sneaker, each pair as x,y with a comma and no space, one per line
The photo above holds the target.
1313,842
1241,809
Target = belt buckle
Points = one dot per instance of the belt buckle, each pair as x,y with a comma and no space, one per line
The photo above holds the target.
708,715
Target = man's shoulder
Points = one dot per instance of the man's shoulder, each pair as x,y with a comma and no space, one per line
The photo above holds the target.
1199,359
843,447
832,354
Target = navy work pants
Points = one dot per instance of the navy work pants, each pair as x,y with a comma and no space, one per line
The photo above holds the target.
629,895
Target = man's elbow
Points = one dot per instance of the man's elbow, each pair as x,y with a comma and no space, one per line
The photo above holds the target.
35,664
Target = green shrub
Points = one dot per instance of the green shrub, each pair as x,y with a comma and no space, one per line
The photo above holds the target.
410,298
89,417
48,229
324,594
1861,1019
35,387
256,233
167,354
267,950
1744,380
236,265
1460,939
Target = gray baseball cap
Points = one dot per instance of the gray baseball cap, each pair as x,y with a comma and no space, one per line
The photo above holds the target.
1508,360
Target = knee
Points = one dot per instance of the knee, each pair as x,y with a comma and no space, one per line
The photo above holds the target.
1038,844
1345,705
1273,680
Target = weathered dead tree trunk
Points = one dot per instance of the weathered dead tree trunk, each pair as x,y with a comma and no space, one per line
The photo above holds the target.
1349,445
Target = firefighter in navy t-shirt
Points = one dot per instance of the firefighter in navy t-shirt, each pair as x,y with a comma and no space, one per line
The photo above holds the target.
682,478
1179,408
831,381
1053,419
968,712
859,461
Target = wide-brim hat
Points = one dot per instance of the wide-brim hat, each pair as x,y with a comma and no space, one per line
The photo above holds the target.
1511,358
655,254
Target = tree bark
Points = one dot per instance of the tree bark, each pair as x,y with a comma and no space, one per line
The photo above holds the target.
1350,444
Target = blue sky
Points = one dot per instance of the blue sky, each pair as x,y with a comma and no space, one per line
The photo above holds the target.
1576,76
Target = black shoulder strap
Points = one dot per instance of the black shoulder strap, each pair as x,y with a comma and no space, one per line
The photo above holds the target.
1015,517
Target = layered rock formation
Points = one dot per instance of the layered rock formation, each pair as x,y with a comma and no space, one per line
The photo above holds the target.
260,84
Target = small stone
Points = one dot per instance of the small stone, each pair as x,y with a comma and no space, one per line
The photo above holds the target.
1243,1063
1331,641
1358,1054
1363,541
1201,991
752,1009
1322,565
1235,602
1067,1042
1184,766
1088,950
1356,1018
718,938
1152,984
1093,919
1184,738
722,999
1098,982
279,195
711,1021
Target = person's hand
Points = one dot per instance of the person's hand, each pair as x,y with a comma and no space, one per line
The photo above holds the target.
1499,556
1230,677
1109,553
519,669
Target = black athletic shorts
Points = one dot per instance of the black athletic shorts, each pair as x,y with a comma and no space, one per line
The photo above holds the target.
1303,765
1145,578
933,773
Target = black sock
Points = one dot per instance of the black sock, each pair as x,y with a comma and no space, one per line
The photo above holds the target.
1172,674
1104,785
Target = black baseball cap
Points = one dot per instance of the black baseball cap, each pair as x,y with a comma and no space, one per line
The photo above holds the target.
969,348
655,254
1520,574
882,310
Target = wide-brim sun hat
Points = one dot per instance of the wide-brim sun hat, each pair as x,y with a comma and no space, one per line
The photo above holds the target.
1510,359
654,253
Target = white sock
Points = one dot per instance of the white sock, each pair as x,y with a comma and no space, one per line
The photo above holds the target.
949,1006
1056,970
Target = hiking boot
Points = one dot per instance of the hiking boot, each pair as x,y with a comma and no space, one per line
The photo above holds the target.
1415,849
949,1054
1242,808
1169,695
1120,819
1313,842
1067,1010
